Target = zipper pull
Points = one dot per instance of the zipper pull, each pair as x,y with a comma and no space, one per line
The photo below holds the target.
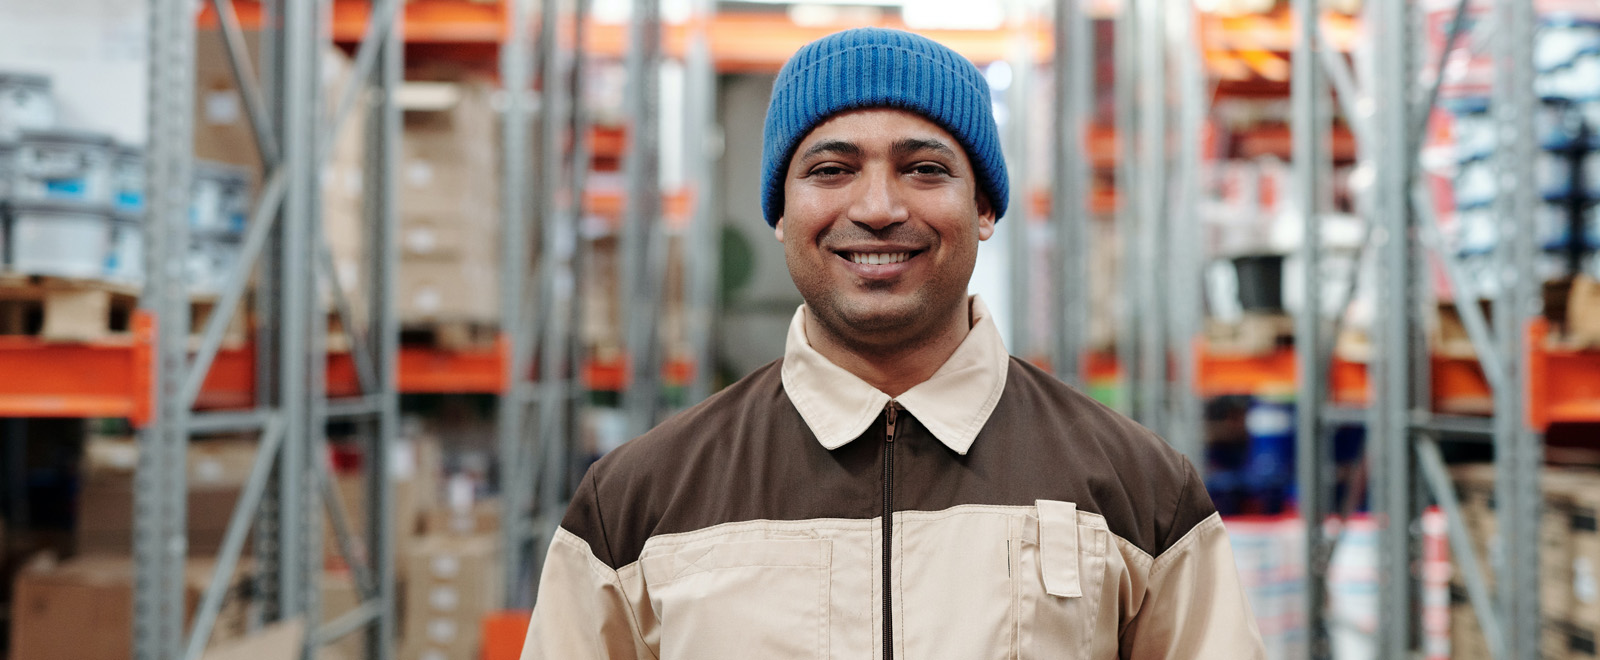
894,409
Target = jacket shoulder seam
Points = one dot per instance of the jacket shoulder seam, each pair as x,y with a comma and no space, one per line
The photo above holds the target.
607,574
1177,550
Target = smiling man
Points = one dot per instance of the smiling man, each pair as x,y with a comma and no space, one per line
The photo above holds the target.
896,486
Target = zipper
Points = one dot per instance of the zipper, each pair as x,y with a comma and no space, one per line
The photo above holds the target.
892,412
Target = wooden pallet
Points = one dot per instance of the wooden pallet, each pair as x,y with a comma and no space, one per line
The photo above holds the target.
63,309
78,310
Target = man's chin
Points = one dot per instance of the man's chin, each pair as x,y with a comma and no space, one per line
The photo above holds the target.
875,319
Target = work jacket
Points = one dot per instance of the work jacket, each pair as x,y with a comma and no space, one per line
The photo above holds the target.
1028,521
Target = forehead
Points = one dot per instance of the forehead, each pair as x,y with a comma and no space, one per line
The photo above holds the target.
873,126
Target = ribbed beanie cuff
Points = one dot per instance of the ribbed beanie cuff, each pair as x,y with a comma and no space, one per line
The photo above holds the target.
880,68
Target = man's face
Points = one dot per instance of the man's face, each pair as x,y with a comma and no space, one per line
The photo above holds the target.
881,223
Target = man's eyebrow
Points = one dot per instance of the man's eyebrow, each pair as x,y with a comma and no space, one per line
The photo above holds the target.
911,146
839,147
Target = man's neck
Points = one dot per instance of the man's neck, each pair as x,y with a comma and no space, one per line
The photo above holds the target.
891,369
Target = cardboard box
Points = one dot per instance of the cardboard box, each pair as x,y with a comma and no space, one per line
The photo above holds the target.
452,583
1254,334
1556,529
1466,637
217,472
1583,313
55,603
222,130
448,169
431,238
483,517
1585,599
1449,332
433,291
352,492
279,641
339,596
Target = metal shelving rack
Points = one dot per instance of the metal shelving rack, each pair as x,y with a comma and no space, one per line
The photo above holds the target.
1159,179
542,302
292,472
1403,433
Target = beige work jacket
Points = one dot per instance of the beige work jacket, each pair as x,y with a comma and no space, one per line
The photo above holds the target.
1028,521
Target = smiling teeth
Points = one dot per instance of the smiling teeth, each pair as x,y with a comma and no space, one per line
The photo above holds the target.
879,258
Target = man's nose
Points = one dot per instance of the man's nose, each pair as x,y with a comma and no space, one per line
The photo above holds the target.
878,202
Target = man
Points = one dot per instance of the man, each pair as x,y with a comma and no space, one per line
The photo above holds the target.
896,486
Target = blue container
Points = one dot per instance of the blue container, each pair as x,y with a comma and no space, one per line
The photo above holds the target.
1267,478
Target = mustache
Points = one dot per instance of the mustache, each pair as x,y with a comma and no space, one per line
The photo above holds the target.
896,233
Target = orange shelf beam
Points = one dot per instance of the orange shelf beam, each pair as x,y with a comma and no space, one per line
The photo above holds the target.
612,375
1564,385
435,371
1222,375
101,379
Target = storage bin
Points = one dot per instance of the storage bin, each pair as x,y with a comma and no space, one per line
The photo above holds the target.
220,198
211,257
64,165
125,260
128,176
60,238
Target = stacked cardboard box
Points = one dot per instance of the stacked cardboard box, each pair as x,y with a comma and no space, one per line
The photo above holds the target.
480,518
449,211
217,472
339,597
1569,556
82,609
352,494
453,582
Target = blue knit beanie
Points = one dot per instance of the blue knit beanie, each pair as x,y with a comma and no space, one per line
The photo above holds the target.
880,68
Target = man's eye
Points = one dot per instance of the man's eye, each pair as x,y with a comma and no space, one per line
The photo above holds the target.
928,169
828,170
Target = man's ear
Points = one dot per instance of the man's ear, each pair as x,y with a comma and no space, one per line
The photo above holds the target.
777,229
986,217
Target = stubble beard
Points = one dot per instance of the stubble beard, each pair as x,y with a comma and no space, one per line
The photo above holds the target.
881,330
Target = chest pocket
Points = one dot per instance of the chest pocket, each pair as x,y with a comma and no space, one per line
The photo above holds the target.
1060,561
743,599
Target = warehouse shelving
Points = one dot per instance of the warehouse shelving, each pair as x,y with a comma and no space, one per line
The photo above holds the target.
1407,383
282,378
1408,399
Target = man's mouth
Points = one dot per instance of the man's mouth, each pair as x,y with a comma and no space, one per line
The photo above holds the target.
876,258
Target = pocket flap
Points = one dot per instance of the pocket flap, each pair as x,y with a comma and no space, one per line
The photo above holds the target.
1058,548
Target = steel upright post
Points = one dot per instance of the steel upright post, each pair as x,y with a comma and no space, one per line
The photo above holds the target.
705,247
1186,425
514,448
160,493
558,236
1016,138
1309,125
641,248
1071,210
1518,450
382,156
297,482
1129,312
1151,187
1389,436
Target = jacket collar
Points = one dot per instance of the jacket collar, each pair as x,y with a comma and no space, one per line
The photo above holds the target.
953,404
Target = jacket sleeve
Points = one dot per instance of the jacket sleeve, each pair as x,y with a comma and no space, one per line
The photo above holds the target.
582,611
1194,606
